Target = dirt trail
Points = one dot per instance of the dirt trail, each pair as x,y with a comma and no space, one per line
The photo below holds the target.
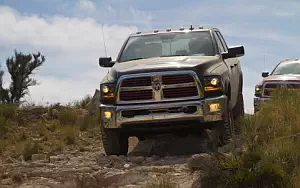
163,155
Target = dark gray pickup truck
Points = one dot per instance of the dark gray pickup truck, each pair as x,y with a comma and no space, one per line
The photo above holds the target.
175,80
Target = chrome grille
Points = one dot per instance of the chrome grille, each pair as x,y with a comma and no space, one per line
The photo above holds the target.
270,87
158,87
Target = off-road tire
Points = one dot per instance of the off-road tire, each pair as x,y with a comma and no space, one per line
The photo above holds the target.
226,129
238,112
239,107
114,142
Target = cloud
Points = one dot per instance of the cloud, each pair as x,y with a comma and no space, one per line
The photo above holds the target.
86,5
72,47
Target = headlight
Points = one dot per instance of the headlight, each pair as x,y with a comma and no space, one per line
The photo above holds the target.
105,89
258,89
107,93
213,86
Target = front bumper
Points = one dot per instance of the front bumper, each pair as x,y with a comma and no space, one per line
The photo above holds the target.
257,102
163,112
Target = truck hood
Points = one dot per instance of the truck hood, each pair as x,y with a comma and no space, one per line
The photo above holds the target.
202,65
282,78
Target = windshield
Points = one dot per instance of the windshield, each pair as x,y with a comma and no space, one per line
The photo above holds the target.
287,68
170,44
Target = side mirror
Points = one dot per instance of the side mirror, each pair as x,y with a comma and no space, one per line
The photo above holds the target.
106,62
234,51
265,74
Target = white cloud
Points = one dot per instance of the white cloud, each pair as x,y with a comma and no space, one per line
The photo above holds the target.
72,47
86,5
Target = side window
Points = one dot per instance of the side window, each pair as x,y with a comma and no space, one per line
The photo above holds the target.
221,48
222,40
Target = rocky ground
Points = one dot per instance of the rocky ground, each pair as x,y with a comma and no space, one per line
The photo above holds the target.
163,156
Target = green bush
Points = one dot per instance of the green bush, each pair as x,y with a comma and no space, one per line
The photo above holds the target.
271,139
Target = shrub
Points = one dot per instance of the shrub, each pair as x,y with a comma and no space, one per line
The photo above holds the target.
69,135
67,117
8,111
271,139
29,149
83,102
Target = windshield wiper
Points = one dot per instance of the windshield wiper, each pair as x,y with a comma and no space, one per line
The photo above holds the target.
133,59
172,55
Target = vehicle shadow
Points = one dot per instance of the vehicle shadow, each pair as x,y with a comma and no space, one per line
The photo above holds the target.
171,145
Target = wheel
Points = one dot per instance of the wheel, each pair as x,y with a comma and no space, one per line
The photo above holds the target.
114,142
226,128
239,107
238,112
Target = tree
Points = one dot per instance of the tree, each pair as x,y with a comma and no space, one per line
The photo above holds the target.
20,68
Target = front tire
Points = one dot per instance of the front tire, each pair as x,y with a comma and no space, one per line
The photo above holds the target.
226,129
238,112
115,142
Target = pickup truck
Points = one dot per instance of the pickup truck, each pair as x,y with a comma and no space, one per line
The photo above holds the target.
174,80
285,74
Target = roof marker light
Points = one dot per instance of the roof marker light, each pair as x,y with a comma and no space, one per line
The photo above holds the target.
138,32
168,30
155,31
181,29
201,27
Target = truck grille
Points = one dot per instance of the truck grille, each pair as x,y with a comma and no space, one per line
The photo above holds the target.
155,87
180,92
270,87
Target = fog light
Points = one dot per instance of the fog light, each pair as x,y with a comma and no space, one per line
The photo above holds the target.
107,115
214,107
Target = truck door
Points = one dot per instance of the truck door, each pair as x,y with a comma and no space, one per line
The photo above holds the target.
232,67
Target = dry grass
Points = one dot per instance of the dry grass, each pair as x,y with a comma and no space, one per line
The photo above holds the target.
271,139
162,182
40,135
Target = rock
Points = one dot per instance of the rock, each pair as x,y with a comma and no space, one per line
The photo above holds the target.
116,159
137,159
55,113
126,166
103,160
39,157
204,162
53,159
17,177
5,175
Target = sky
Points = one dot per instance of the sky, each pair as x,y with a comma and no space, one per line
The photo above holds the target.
69,34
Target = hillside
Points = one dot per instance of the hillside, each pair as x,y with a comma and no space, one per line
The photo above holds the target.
60,146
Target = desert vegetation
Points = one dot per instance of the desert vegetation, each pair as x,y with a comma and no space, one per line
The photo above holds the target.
268,148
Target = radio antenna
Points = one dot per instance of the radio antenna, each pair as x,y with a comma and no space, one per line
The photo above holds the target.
103,40
104,44
264,62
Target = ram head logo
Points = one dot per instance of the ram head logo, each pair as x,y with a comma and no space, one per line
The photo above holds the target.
156,83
